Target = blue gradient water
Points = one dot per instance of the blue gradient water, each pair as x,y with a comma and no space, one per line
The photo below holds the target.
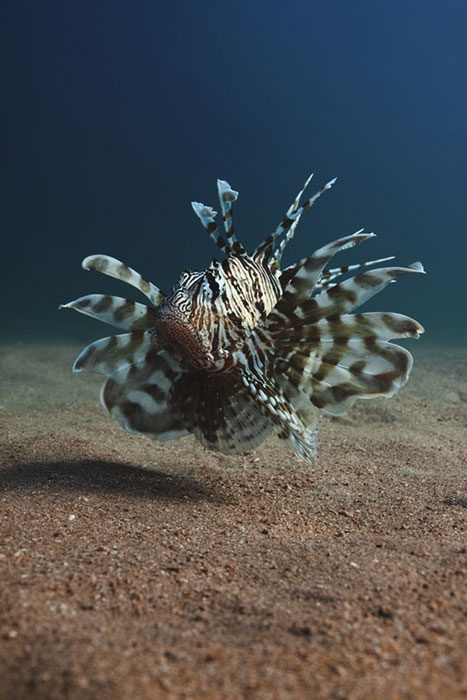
119,114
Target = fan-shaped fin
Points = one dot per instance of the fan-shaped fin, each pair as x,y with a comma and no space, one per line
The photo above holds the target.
114,352
328,276
265,250
337,360
343,329
298,281
219,411
335,378
115,268
119,312
354,292
337,300
137,397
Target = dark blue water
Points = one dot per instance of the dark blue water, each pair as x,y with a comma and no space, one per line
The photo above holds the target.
118,114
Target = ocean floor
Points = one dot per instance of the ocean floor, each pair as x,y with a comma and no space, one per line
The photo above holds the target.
134,569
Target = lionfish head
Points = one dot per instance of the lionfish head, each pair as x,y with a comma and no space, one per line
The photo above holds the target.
176,322
210,314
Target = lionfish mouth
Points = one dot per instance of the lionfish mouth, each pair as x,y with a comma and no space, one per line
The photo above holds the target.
245,348
173,328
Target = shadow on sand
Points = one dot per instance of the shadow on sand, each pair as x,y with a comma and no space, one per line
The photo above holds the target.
90,476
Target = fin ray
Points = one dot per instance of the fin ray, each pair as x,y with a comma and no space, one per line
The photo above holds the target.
116,311
298,281
137,396
114,352
115,268
219,411
265,250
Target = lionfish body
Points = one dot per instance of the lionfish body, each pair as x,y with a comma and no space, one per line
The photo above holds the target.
244,348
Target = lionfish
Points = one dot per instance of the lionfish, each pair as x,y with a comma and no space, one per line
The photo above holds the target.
244,348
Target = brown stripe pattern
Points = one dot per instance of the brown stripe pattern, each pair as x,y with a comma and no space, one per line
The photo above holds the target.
118,312
243,349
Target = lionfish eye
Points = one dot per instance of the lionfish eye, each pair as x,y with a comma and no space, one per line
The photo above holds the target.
213,285
179,296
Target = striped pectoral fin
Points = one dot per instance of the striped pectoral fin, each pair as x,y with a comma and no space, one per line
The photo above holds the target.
372,325
299,280
327,277
301,403
337,360
115,268
335,375
343,329
137,397
106,355
219,411
333,302
354,292
119,312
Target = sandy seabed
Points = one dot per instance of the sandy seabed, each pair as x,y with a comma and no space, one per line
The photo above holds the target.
135,569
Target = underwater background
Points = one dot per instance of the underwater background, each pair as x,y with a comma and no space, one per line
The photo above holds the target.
117,115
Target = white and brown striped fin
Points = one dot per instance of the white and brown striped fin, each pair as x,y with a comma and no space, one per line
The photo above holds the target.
336,360
265,251
339,299
291,413
226,196
298,281
305,411
137,397
327,277
219,411
115,268
207,216
263,350
344,328
290,233
114,352
275,265
116,311
335,379
287,424
352,293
